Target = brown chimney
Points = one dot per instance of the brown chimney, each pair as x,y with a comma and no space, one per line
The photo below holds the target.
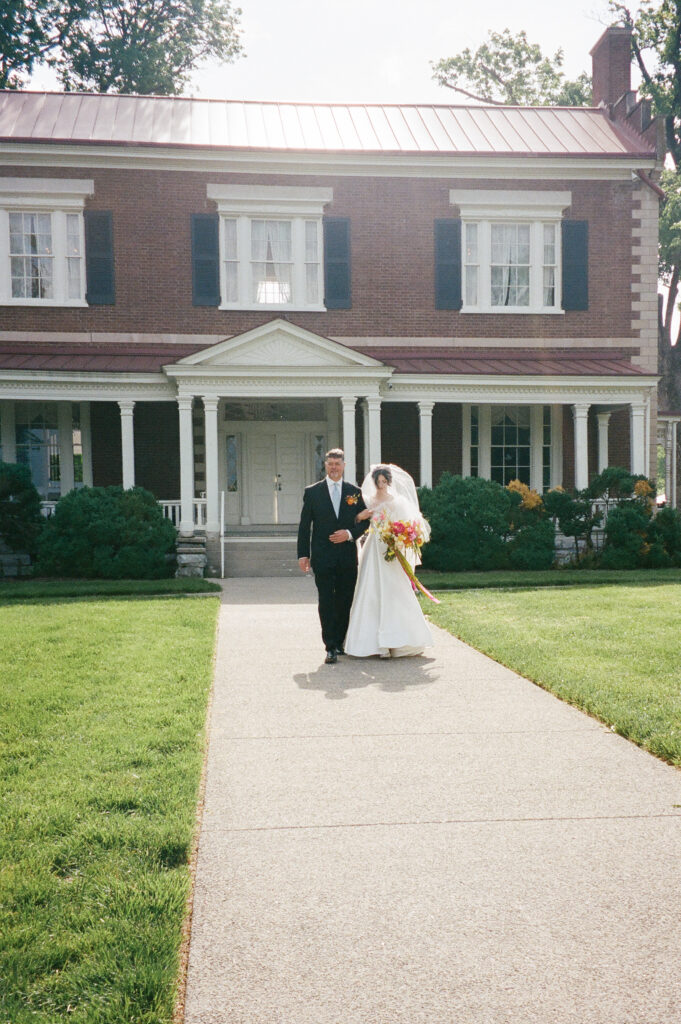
611,57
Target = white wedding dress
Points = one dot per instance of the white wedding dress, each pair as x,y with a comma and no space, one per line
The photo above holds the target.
386,618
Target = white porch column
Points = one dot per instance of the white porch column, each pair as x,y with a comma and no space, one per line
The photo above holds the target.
581,414
484,441
537,448
668,442
348,403
65,428
210,406
556,445
603,421
365,421
637,421
128,443
186,466
8,433
86,443
426,442
465,439
374,424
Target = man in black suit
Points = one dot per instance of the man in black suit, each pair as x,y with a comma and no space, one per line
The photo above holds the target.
329,510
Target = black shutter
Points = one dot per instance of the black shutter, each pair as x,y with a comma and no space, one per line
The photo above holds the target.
205,260
99,258
337,277
448,264
575,264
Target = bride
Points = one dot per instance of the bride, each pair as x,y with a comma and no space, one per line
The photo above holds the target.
386,618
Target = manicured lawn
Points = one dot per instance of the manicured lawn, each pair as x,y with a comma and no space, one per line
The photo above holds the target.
614,651
29,590
548,578
102,734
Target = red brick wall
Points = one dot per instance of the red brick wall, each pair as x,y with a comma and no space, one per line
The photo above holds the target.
446,439
392,259
157,448
105,424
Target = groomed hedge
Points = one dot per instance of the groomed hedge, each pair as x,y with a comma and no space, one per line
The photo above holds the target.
107,533
21,522
479,525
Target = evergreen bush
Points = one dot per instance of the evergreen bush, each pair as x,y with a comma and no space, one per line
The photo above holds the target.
21,521
469,520
107,533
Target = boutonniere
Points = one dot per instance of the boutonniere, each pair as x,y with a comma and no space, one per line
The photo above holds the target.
352,499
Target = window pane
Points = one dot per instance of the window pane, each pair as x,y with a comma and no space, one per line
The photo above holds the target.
229,235
231,282
271,240
73,234
549,243
312,283
311,241
271,283
471,286
232,464
471,243
73,275
549,286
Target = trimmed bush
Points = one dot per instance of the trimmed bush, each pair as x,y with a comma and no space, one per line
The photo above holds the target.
21,521
625,537
107,533
533,546
470,521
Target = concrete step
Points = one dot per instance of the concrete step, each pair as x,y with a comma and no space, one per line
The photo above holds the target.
247,556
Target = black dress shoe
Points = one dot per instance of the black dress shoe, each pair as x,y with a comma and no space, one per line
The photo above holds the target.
331,658
339,650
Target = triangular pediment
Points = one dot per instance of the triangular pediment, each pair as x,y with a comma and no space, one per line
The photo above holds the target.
278,345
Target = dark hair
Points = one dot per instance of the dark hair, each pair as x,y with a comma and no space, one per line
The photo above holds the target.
381,471
335,453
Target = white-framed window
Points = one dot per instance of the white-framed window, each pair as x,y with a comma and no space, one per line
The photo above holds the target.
42,241
511,250
271,246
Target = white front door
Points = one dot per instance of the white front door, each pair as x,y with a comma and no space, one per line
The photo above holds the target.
277,476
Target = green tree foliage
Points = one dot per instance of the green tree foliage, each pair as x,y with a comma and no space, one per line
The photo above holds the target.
107,533
21,521
508,69
119,46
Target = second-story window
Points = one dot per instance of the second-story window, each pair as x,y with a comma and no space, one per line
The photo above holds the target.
42,241
270,246
510,250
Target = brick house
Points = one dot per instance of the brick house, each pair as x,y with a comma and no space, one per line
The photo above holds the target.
200,297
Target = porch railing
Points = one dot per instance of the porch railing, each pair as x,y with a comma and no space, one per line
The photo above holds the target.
171,510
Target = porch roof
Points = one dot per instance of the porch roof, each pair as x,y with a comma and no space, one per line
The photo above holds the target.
503,362
119,358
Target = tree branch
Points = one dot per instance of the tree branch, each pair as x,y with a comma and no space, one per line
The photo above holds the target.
472,96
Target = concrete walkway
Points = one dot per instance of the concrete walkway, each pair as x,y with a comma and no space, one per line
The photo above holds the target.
424,841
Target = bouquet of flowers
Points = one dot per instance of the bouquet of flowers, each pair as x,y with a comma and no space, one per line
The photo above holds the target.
403,539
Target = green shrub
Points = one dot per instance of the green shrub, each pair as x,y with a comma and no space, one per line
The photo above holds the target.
664,535
625,536
533,546
21,521
107,533
470,521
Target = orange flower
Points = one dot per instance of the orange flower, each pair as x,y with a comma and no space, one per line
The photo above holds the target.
352,499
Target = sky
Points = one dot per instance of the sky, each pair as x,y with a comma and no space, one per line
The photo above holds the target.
367,51
379,51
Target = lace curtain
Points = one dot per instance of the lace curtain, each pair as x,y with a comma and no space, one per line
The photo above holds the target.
271,256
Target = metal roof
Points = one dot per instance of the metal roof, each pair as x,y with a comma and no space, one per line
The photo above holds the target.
504,362
150,358
85,118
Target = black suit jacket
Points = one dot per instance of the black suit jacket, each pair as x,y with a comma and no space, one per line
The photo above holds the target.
318,520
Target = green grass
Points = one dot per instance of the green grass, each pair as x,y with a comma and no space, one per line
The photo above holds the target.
32,590
613,651
545,578
102,727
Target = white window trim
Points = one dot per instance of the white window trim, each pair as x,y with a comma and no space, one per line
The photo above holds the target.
536,208
246,202
59,197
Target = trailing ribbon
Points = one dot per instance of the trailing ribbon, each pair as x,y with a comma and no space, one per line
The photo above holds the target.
412,576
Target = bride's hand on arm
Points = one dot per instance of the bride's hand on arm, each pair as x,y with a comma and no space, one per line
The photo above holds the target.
366,514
